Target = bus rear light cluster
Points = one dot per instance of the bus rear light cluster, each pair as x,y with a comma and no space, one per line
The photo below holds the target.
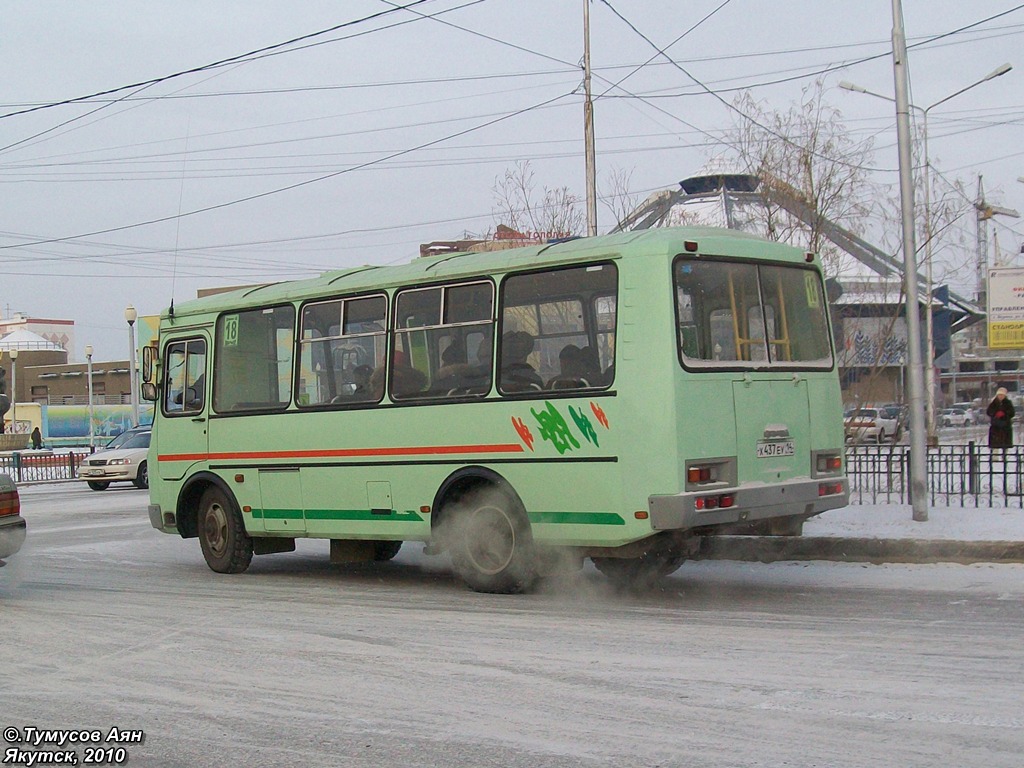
10,503
702,474
829,464
829,489
724,501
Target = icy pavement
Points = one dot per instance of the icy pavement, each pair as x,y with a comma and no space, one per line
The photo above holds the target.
895,521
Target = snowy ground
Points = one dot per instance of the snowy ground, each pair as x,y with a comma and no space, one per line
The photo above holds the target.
895,521
297,663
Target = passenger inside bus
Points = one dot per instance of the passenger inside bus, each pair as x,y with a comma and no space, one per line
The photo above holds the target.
517,375
570,369
406,381
456,376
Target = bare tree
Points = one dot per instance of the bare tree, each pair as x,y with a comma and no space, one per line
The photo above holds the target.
808,151
554,210
616,195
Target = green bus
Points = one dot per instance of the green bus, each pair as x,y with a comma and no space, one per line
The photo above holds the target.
617,398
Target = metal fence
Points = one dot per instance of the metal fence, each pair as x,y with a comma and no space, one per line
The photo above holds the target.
39,467
970,475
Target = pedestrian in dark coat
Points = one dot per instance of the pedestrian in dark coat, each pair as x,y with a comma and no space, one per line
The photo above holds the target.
1000,413
37,439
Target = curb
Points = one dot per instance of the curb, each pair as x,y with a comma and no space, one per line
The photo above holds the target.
770,549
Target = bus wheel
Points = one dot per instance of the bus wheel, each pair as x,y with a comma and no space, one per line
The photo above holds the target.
385,550
491,544
638,572
142,478
98,486
226,546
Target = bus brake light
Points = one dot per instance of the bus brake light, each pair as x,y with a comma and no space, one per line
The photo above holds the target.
700,475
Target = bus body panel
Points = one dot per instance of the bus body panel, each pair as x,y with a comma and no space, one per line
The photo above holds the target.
597,469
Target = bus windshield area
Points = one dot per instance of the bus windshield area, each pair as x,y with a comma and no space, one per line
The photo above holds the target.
734,314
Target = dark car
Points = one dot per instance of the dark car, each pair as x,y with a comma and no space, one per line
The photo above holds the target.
12,524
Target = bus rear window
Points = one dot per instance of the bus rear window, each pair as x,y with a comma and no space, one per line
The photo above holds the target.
744,315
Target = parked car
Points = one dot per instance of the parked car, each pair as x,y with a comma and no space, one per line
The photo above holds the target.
956,417
118,440
871,424
899,414
125,463
12,524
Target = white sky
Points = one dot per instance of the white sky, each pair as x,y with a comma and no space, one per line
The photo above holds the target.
248,129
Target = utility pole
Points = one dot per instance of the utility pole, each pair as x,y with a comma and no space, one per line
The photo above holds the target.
915,372
588,127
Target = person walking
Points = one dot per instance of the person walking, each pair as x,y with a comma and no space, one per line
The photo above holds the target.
1000,413
37,439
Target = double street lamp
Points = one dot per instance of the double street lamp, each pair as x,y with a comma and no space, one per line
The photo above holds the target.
929,366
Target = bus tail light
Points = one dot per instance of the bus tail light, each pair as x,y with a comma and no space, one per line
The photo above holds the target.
10,503
701,475
828,463
722,501
829,489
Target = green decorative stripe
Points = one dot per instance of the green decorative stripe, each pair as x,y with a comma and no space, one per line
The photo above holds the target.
393,516
278,514
577,518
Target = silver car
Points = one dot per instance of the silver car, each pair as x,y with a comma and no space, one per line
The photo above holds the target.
129,463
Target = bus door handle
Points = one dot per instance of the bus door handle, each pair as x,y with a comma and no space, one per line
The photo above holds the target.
199,419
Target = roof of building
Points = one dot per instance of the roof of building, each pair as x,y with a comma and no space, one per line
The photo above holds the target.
22,339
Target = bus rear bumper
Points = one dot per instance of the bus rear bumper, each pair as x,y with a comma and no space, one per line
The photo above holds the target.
801,498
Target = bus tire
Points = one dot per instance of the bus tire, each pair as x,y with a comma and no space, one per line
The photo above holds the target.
385,550
142,478
490,542
226,546
97,485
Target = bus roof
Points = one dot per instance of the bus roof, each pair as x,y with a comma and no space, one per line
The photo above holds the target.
667,241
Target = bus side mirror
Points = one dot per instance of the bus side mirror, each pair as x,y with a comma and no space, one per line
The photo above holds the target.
149,391
147,364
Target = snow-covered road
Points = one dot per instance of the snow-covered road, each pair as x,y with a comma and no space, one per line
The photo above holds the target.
105,622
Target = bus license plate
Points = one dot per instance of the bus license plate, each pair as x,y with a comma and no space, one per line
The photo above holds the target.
767,450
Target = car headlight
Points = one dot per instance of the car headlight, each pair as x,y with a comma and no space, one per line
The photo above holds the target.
120,461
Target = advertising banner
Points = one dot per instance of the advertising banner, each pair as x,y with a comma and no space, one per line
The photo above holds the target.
1006,308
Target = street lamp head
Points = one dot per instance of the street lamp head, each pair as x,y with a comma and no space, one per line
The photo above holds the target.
14,353
846,85
998,71
88,351
130,315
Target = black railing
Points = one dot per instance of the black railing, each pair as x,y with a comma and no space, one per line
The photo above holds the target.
40,467
970,475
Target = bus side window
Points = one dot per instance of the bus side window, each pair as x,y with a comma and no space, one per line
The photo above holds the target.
443,341
341,348
559,325
185,381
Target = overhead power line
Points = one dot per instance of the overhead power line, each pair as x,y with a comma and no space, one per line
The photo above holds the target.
222,62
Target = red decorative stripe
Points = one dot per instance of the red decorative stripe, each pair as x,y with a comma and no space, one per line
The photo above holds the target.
425,450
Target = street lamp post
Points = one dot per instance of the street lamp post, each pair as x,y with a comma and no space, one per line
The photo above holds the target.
14,391
929,322
130,316
92,432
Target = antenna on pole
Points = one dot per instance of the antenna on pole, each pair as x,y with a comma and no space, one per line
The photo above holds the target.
588,127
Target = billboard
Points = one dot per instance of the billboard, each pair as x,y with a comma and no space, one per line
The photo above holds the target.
873,342
1006,308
